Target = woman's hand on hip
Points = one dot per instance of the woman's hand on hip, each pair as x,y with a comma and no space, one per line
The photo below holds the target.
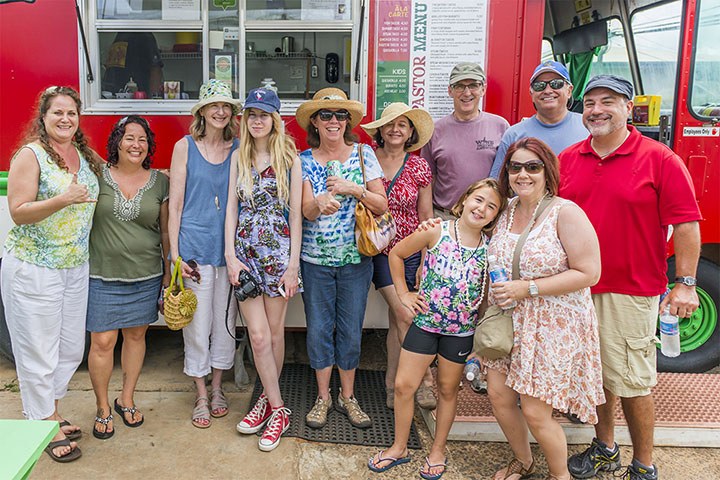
327,204
414,302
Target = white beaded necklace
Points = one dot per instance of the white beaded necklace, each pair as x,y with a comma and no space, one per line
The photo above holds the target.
483,273
512,211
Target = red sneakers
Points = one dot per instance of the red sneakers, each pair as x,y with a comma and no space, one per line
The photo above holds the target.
256,417
276,426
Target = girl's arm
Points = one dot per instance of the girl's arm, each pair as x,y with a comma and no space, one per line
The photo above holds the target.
178,173
407,246
23,180
425,212
290,278
580,242
231,220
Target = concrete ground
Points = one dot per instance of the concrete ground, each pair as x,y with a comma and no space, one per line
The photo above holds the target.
168,446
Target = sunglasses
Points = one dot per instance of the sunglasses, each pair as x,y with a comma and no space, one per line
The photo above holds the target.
533,166
555,84
340,115
195,274
473,87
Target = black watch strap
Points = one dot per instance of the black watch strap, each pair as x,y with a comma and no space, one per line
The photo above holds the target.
688,281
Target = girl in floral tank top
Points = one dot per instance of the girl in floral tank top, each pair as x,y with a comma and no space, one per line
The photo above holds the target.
451,291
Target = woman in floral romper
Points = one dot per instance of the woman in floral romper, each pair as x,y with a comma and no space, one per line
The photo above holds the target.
555,360
266,231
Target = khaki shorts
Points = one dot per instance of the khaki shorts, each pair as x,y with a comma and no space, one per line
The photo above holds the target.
628,351
443,213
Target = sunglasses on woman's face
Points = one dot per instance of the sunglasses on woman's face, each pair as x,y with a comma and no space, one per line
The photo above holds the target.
533,166
555,84
340,115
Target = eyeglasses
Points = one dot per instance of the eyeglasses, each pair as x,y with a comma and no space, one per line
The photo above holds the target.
555,84
340,115
460,87
533,166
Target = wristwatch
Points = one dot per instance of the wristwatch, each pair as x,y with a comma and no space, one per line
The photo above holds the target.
687,281
533,289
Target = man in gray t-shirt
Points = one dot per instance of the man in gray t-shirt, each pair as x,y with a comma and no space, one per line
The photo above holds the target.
462,148
551,93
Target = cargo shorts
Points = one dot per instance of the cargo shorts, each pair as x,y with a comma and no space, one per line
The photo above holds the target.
627,325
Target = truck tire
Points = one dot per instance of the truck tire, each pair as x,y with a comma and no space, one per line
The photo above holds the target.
699,334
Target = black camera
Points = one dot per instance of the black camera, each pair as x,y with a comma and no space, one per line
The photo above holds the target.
248,288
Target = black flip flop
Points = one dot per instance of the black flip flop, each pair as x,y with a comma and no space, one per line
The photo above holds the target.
72,435
131,410
103,435
73,455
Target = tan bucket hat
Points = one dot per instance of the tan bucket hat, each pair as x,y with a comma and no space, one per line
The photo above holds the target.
330,98
420,118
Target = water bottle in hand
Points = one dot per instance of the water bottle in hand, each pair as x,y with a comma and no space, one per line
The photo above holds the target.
669,333
498,274
472,369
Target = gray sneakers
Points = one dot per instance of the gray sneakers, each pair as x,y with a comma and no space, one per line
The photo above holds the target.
317,416
351,408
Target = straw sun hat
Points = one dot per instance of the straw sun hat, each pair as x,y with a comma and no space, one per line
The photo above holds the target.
329,98
420,118
216,91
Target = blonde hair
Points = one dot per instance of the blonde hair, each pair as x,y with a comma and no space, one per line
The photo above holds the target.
490,183
282,155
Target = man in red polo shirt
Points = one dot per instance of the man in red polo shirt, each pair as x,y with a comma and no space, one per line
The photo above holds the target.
632,188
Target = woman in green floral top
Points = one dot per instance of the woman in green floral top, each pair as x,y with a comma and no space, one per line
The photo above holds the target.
52,189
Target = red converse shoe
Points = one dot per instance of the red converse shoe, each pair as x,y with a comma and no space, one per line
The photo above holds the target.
255,418
276,426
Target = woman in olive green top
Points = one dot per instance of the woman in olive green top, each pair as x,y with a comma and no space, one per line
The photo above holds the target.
128,245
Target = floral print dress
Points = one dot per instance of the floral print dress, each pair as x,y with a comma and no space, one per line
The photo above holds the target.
262,241
452,285
556,352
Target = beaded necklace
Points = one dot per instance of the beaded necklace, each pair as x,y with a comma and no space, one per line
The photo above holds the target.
512,212
484,270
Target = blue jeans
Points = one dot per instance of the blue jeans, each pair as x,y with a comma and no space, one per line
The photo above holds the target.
335,300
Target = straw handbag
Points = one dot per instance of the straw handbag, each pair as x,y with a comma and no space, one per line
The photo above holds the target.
180,302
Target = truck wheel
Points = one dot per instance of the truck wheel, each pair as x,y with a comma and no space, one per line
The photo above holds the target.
699,334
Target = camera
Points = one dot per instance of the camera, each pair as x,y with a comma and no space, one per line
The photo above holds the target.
248,288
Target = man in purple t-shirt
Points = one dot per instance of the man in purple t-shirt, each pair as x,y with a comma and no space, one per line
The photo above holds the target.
463,146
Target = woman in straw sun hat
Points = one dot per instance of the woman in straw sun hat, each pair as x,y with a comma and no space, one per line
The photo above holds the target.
399,131
199,177
336,277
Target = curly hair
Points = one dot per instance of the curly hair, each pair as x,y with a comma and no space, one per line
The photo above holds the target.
117,133
544,153
36,130
414,137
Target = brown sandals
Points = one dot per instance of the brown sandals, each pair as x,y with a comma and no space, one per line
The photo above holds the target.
516,467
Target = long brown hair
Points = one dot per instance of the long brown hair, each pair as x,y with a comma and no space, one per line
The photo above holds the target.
36,130
282,155
543,152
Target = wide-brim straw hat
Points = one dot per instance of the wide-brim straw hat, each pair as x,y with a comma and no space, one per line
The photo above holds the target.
420,118
332,99
216,91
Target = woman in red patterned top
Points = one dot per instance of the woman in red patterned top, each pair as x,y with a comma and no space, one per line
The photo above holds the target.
399,131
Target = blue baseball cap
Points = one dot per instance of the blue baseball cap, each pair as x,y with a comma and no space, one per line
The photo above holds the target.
551,66
263,99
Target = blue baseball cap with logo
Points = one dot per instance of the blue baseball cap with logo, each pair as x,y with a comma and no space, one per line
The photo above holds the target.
263,99
551,66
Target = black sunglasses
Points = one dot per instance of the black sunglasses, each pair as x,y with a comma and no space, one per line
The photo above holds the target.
533,166
340,115
555,84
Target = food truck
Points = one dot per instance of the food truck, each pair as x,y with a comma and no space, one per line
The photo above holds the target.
149,57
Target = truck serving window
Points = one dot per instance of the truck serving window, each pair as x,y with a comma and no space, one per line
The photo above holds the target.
704,93
151,56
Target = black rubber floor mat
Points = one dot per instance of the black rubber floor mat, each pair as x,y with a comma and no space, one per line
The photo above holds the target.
299,390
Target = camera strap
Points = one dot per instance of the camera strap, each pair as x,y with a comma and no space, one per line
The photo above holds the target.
227,314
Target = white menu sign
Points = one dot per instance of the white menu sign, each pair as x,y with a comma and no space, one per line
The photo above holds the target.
181,9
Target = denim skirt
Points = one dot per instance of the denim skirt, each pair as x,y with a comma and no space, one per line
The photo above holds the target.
115,305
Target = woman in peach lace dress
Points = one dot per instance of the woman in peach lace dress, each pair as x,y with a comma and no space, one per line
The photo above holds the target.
555,360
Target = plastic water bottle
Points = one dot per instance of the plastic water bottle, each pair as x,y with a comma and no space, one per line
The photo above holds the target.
669,333
472,369
334,168
498,274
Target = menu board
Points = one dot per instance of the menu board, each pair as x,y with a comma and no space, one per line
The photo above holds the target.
417,43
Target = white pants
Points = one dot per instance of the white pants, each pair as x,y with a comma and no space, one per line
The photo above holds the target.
45,310
207,341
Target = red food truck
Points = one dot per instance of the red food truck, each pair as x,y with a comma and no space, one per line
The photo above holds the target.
149,57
